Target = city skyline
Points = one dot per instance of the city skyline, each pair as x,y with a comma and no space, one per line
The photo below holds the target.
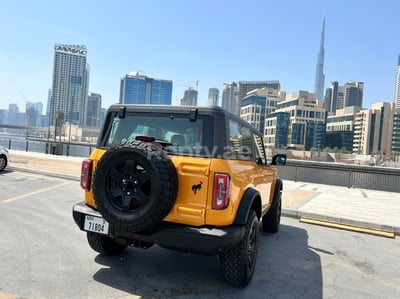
280,47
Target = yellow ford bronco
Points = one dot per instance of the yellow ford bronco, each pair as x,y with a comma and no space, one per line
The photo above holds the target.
194,179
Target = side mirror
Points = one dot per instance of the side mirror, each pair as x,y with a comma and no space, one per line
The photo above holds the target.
279,159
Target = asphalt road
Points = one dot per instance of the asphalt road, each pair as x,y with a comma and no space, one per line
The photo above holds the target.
44,255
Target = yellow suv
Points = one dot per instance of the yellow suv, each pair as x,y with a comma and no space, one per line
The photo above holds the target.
193,179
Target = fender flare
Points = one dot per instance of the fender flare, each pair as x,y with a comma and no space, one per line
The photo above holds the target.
278,189
250,198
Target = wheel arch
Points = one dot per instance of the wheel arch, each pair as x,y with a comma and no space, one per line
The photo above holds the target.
251,200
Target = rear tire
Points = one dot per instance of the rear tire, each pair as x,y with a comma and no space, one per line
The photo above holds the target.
135,184
238,263
271,220
104,245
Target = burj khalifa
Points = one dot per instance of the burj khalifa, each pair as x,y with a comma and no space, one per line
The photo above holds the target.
319,74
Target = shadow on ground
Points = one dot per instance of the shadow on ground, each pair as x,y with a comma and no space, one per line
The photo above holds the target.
286,268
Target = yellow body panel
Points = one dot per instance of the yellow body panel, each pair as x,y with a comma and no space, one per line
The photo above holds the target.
95,157
244,175
193,205
193,183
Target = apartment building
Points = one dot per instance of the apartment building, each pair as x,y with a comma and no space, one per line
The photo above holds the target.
373,129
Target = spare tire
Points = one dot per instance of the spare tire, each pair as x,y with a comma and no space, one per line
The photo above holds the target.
135,184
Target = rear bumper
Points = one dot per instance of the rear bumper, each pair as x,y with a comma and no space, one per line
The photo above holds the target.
203,240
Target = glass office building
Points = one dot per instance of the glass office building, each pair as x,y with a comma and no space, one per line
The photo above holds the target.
277,130
252,110
139,89
315,136
70,85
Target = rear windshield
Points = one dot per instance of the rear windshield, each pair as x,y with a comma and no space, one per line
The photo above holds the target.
174,131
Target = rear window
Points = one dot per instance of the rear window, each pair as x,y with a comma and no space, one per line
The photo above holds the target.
174,131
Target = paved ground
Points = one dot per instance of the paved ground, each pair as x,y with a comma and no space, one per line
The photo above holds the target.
359,207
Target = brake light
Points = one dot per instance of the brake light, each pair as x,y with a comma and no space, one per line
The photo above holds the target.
221,191
145,138
86,174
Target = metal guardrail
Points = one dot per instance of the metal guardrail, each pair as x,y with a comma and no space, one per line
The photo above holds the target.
348,175
49,147
351,176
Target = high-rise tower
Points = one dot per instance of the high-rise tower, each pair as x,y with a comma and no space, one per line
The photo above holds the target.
213,96
93,113
319,74
190,97
397,87
70,84
139,89
229,95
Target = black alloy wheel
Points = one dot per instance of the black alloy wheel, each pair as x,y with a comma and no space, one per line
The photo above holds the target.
135,184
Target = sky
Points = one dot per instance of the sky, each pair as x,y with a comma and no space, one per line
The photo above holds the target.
200,43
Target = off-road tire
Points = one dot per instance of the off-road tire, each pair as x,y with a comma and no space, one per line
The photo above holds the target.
135,185
104,245
271,220
237,264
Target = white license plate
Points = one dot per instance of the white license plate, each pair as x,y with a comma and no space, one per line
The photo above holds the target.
96,224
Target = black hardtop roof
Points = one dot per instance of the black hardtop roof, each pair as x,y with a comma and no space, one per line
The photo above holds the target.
208,110
166,108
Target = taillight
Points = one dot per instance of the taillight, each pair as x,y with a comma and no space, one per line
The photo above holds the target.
86,174
221,191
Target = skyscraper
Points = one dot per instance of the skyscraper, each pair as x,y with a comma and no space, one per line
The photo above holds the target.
190,97
32,113
397,87
48,102
319,74
213,96
338,97
70,84
229,94
93,116
353,94
139,89
331,96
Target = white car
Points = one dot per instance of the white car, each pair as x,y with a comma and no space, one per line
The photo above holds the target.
4,158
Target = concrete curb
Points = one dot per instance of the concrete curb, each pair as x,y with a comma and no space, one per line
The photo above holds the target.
294,213
41,172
